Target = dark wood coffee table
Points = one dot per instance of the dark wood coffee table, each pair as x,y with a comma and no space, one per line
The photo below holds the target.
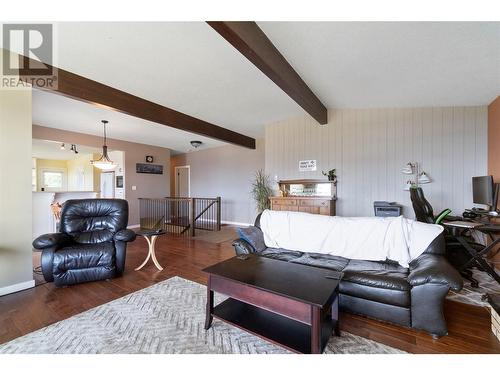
292,305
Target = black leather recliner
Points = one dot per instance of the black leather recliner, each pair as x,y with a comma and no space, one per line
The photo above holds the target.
91,244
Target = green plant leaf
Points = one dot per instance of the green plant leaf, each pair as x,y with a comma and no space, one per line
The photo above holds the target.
261,190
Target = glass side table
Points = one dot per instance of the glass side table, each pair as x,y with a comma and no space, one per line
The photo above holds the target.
150,235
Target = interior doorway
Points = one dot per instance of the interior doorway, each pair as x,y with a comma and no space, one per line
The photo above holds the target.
182,181
107,185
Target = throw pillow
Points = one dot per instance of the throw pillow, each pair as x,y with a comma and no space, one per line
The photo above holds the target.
254,237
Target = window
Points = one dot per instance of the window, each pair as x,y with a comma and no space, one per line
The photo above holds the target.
52,179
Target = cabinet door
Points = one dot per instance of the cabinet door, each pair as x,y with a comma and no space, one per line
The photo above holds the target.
322,203
324,211
306,202
315,210
277,204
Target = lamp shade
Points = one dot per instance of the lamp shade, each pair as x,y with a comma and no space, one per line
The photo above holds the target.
104,162
407,169
423,178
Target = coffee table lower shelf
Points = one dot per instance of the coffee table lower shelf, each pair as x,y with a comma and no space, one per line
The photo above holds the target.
280,330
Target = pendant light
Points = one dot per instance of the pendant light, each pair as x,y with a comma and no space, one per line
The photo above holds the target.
104,162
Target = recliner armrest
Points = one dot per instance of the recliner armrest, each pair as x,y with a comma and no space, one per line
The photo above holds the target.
242,247
125,235
48,240
434,269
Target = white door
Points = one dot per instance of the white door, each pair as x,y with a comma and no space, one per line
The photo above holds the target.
108,185
182,181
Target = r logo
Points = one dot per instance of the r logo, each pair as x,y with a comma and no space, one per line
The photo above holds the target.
30,40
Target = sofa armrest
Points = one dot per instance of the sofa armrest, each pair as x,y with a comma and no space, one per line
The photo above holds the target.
125,235
434,269
242,247
49,240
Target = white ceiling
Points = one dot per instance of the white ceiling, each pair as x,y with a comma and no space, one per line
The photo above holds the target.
51,150
186,66
59,112
393,64
189,67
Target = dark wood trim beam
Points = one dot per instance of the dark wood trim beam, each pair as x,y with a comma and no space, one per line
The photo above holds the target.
250,40
87,90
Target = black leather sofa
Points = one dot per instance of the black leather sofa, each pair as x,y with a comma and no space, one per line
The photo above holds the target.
410,297
91,244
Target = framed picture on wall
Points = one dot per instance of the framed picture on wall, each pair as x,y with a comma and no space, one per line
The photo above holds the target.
149,168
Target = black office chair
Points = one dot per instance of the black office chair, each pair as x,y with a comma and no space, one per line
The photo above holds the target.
455,252
91,242
423,209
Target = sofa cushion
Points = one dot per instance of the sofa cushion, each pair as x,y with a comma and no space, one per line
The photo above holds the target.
84,256
401,298
322,260
253,236
385,275
280,254
93,236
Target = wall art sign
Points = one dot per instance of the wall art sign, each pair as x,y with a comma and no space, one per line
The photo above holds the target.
149,168
307,165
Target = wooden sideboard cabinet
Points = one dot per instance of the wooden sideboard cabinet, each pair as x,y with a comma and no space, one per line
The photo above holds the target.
313,196
313,205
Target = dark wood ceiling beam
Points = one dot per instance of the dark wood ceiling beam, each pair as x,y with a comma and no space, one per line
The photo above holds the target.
87,90
250,40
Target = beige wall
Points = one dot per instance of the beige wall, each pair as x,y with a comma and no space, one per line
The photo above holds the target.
225,171
368,147
75,166
148,185
15,190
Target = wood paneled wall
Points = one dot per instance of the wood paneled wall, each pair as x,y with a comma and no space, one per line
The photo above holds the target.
494,139
368,147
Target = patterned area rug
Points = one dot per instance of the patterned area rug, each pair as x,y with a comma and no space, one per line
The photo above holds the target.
167,317
474,296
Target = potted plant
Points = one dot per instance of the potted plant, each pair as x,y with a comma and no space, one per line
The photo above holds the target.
261,190
330,174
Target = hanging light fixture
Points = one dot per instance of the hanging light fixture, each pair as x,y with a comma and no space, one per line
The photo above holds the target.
104,162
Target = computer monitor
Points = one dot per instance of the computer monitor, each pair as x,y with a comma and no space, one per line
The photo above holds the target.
483,191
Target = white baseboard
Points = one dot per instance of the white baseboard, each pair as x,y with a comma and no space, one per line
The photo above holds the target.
133,226
17,287
236,223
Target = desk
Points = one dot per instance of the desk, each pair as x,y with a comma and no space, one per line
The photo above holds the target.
477,257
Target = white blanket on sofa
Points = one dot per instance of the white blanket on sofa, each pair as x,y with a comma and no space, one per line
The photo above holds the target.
364,238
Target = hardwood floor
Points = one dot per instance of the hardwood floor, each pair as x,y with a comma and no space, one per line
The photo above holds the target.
29,310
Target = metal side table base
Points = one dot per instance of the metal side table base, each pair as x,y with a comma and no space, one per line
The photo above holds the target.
151,239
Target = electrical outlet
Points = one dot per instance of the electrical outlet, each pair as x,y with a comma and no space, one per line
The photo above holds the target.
134,187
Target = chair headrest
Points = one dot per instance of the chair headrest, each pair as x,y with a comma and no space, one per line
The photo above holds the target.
94,220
